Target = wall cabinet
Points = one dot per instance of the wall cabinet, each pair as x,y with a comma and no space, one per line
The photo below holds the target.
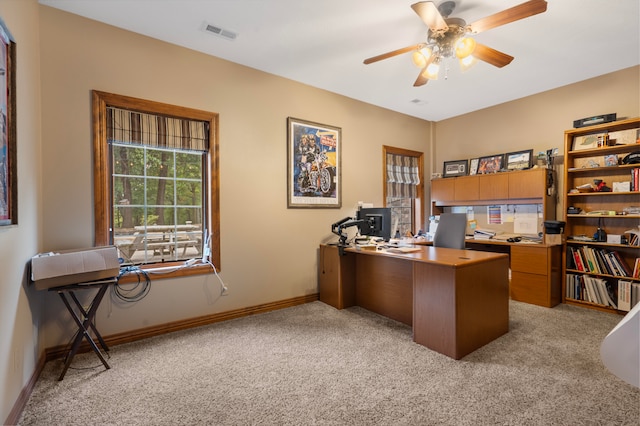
494,186
593,154
516,187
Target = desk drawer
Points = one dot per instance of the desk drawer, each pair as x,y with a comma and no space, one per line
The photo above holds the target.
530,288
529,259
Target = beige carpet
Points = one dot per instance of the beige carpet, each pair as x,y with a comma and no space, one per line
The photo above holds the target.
315,365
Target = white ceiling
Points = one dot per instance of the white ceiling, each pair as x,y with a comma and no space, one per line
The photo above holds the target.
322,43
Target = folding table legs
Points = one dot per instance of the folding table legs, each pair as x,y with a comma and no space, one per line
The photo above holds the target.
84,326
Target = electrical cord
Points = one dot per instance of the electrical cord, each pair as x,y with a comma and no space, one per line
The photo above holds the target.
139,290
224,288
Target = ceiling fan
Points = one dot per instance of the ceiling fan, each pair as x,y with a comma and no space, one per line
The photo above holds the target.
448,37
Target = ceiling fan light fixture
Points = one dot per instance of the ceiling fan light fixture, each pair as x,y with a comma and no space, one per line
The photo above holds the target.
465,47
467,62
431,72
421,56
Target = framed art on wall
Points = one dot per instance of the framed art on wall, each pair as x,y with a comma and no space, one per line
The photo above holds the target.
490,164
313,165
454,168
8,161
519,160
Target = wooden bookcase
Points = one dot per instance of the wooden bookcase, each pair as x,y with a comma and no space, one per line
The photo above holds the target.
585,163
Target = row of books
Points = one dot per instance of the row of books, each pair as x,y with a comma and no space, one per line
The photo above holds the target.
598,261
622,295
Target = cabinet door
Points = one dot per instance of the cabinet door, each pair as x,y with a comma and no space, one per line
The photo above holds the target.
466,188
530,288
494,186
531,259
442,189
336,282
528,184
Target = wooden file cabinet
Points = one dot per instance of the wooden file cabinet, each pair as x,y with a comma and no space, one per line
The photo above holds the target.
536,274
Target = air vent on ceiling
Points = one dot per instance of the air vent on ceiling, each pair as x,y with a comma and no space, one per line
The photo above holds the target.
220,32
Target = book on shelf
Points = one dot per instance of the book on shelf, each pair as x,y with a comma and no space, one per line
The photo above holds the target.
636,268
622,265
633,237
624,295
635,294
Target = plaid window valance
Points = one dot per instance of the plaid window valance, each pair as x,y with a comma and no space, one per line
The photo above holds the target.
402,176
155,130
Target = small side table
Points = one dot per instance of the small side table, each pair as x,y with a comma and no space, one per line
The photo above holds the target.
84,319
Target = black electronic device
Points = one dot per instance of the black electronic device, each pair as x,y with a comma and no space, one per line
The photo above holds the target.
598,119
554,226
375,222
601,234
573,210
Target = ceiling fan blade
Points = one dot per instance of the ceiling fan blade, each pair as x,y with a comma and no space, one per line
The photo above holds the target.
392,54
491,56
428,12
421,80
521,11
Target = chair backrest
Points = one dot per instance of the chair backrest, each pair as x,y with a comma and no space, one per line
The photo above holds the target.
450,231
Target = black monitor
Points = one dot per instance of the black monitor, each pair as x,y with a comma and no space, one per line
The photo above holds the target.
376,222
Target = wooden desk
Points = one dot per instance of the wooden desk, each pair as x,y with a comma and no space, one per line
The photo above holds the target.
536,269
455,300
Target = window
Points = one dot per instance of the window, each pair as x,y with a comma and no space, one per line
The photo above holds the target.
403,188
155,180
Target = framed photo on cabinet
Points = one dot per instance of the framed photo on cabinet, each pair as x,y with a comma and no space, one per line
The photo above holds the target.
519,160
490,164
454,168
473,166
313,165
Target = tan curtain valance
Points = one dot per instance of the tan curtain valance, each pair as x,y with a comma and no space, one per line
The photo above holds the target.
402,176
154,130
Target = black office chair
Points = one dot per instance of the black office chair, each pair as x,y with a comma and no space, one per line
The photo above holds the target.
450,231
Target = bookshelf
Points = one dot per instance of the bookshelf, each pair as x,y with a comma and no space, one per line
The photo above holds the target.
598,268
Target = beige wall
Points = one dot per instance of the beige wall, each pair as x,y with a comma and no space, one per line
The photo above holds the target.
19,304
536,122
268,251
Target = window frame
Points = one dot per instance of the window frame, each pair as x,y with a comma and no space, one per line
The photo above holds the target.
418,206
103,203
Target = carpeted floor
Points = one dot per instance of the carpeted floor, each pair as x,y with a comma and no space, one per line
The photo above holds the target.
315,365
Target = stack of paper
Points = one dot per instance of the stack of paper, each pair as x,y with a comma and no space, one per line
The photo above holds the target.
481,234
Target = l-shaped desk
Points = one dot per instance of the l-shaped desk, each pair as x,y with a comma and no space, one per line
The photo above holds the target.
455,300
